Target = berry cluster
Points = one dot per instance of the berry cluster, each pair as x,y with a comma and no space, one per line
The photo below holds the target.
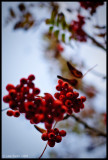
24,98
77,30
53,136
91,5
69,97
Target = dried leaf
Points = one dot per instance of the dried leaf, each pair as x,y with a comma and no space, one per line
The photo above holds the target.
76,73
41,130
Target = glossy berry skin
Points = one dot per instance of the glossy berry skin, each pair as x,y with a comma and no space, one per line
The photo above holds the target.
51,142
10,86
31,77
10,113
58,139
44,136
62,133
16,113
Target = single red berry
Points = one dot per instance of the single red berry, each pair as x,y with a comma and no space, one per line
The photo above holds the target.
58,139
62,98
51,142
60,81
63,109
10,86
83,98
58,88
65,85
62,133
23,81
6,98
44,136
10,113
76,94
29,106
68,103
56,95
16,113
56,131
69,95
18,87
51,135
12,93
13,105
82,106
31,77
36,91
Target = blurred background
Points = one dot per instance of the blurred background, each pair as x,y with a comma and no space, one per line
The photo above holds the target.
33,45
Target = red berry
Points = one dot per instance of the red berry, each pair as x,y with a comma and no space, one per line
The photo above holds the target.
83,98
62,133
36,91
51,142
56,131
10,113
60,81
12,93
6,98
51,135
65,85
23,81
56,95
44,136
68,103
31,77
58,139
10,86
16,114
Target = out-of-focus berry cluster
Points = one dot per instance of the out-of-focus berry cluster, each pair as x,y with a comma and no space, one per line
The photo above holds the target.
77,30
91,5
24,98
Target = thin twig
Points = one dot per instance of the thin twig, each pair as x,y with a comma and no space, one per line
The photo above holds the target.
4,109
94,41
43,150
99,133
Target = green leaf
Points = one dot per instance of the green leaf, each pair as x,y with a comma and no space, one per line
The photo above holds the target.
63,37
56,33
51,29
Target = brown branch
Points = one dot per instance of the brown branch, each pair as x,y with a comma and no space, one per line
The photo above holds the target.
95,42
99,133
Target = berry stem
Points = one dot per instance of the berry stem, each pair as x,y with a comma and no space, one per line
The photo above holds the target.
4,109
43,151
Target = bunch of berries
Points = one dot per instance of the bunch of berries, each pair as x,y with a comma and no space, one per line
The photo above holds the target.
91,5
69,97
53,136
24,98
77,30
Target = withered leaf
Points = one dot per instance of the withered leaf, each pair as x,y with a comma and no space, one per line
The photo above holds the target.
41,130
76,73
